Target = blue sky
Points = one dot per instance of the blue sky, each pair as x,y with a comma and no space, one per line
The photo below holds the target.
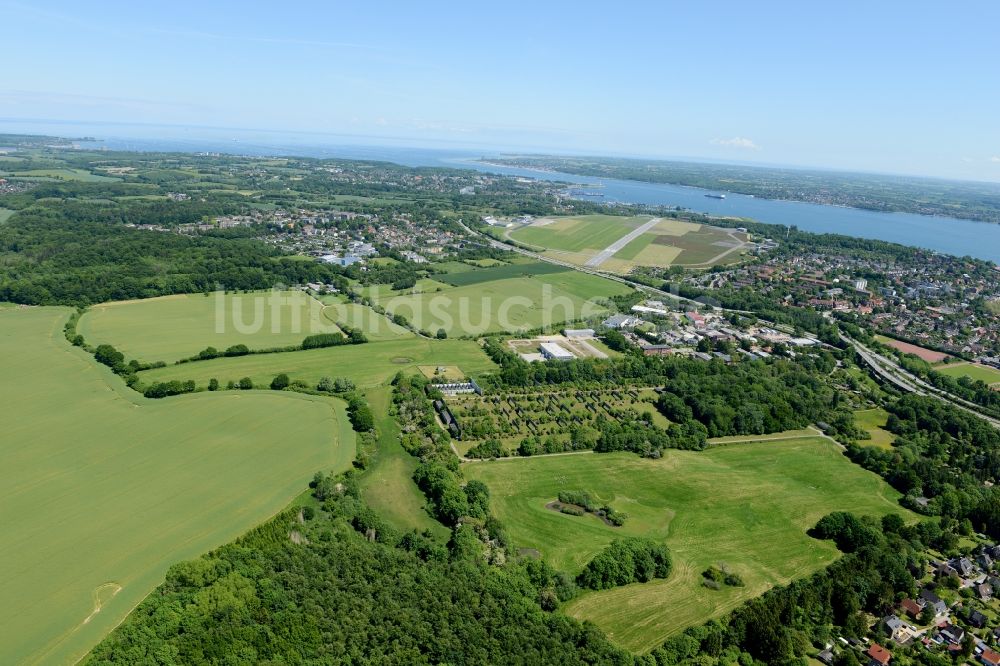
908,87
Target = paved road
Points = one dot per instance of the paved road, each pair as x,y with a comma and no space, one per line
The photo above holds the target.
613,249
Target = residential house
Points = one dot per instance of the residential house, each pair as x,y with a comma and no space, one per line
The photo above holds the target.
911,608
989,658
952,633
878,655
939,606
898,630
963,566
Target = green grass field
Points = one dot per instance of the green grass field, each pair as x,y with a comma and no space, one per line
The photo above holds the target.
512,304
103,490
575,234
747,506
375,326
973,371
873,422
169,328
387,485
368,365
5,214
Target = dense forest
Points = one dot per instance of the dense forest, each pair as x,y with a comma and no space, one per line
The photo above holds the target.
944,460
50,259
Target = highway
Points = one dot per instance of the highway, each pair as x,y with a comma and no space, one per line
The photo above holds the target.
890,371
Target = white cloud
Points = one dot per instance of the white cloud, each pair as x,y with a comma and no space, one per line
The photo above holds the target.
736,142
995,158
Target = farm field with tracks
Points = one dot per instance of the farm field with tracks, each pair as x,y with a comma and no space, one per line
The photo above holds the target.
368,365
103,490
170,328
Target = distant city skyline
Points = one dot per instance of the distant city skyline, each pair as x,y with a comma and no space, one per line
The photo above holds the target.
893,88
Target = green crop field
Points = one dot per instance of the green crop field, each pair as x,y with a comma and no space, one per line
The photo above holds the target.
375,326
974,371
66,174
575,234
454,267
367,365
502,272
514,304
747,506
103,490
169,328
873,421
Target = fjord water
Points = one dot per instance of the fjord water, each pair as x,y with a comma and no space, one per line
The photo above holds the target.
942,234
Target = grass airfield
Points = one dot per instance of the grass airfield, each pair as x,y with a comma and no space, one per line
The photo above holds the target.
578,239
103,490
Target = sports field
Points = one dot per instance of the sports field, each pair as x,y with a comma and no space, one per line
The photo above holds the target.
581,239
974,371
367,365
746,505
102,490
169,328
511,304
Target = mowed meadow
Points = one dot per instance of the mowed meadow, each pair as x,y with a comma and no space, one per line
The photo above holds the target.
103,490
747,506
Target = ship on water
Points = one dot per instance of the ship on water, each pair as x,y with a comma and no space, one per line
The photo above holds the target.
712,195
